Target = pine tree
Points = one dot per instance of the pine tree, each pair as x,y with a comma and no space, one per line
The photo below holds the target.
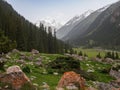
71,51
5,44
27,35
80,53
113,55
116,55
85,55
99,55
108,55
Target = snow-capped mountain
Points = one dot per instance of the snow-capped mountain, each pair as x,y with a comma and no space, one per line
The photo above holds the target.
64,30
48,22
101,26
103,9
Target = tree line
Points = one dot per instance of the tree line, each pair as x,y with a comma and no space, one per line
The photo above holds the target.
24,35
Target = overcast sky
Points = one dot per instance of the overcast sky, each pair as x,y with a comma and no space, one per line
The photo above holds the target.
60,10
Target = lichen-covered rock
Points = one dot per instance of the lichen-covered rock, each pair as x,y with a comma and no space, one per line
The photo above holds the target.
15,77
72,78
13,69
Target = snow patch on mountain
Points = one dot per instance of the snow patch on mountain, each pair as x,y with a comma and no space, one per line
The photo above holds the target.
49,22
79,17
104,8
64,30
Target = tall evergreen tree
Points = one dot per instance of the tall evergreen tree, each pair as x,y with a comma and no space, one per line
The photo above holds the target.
113,55
116,55
5,44
27,35
98,55
80,53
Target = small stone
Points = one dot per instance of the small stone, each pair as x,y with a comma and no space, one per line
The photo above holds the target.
55,73
35,51
15,51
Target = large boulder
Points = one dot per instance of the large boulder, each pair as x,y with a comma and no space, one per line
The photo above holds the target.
71,80
15,77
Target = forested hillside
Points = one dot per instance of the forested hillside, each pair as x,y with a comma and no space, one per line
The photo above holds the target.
24,34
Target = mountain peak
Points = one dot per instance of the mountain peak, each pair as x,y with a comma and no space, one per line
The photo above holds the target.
79,17
49,22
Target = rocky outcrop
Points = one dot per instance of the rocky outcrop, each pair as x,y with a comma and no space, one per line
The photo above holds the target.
72,80
15,77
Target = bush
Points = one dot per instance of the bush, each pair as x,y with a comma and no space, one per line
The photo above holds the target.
87,76
26,69
105,71
6,44
63,64
117,67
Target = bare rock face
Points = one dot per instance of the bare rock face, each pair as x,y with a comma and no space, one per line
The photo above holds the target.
71,80
15,77
35,51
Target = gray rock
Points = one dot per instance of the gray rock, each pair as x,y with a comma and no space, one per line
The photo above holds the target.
115,74
104,86
34,51
20,61
15,51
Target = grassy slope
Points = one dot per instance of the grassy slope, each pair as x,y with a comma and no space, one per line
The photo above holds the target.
51,79
92,52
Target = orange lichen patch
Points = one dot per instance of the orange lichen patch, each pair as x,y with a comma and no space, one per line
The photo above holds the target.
15,77
72,78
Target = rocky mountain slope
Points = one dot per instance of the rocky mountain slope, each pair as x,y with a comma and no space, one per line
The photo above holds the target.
101,28
64,30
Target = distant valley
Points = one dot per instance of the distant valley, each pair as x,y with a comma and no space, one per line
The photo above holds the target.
99,29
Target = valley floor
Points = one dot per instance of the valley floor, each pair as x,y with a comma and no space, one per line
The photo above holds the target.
38,74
